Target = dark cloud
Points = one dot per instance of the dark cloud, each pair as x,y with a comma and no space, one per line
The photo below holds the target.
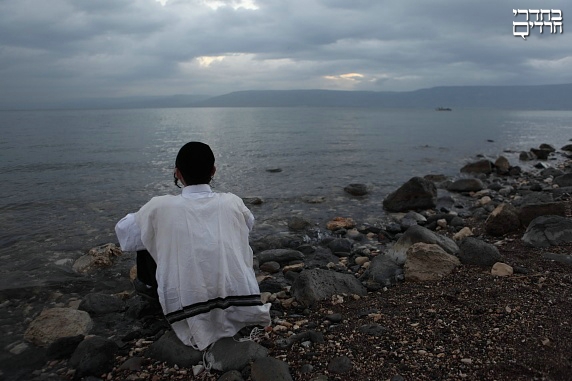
83,48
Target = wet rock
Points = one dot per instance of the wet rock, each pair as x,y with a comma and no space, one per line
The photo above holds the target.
502,165
228,354
298,223
101,304
502,220
473,251
281,256
428,262
56,323
560,258
526,156
97,257
253,200
356,189
383,271
545,231
541,154
93,357
551,172
340,247
466,185
547,147
63,347
415,194
233,375
270,369
172,351
340,223
270,267
419,234
482,166
317,284
567,147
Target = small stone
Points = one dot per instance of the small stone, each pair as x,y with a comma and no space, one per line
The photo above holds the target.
502,269
467,361
198,369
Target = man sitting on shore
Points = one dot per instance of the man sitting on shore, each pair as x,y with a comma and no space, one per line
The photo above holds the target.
199,242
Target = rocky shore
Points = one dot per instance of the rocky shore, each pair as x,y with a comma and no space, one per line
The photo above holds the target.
471,279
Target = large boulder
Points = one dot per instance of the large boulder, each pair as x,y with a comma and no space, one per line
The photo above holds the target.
282,256
101,304
419,234
545,231
427,262
93,357
502,165
230,354
317,284
270,369
473,251
415,194
466,185
382,271
172,351
502,220
98,257
482,166
55,323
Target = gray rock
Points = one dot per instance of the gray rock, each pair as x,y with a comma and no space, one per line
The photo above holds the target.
171,350
373,330
282,256
529,212
502,220
419,234
233,375
466,185
270,369
270,267
340,247
298,223
383,271
415,194
55,323
564,180
545,231
551,172
502,165
567,147
93,357
101,304
560,258
482,166
547,147
63,347
228,354
537,198
426,262
473,251
317,284
526,156
356,189
541,154
339,365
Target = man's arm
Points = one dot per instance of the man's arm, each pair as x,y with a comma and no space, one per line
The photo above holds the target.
129,234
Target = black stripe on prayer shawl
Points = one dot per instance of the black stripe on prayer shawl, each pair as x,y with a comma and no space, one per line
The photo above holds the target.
222,303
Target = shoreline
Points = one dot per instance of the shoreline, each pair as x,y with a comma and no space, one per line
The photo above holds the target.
366,243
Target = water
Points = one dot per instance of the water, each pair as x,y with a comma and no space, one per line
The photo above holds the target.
68,176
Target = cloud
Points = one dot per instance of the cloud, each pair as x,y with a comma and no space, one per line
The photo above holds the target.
82,48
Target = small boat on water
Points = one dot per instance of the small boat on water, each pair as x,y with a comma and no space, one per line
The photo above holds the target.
443,109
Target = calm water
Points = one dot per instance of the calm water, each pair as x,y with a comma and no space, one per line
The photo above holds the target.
68,176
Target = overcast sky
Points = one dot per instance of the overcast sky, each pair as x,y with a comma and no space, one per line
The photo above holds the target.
62,49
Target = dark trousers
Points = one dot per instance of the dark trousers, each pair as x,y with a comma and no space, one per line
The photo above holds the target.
146,268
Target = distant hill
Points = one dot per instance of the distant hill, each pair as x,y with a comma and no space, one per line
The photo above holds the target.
543,97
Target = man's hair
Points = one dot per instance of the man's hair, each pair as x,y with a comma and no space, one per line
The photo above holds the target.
195,160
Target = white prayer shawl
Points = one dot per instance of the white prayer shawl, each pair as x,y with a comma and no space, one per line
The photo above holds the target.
207,287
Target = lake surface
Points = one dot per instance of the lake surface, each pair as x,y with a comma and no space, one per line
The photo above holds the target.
68,176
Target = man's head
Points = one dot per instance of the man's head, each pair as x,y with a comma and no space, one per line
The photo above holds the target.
195,164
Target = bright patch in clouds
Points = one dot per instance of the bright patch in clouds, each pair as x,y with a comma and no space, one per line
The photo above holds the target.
558,64
346,77
235,4
206,61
